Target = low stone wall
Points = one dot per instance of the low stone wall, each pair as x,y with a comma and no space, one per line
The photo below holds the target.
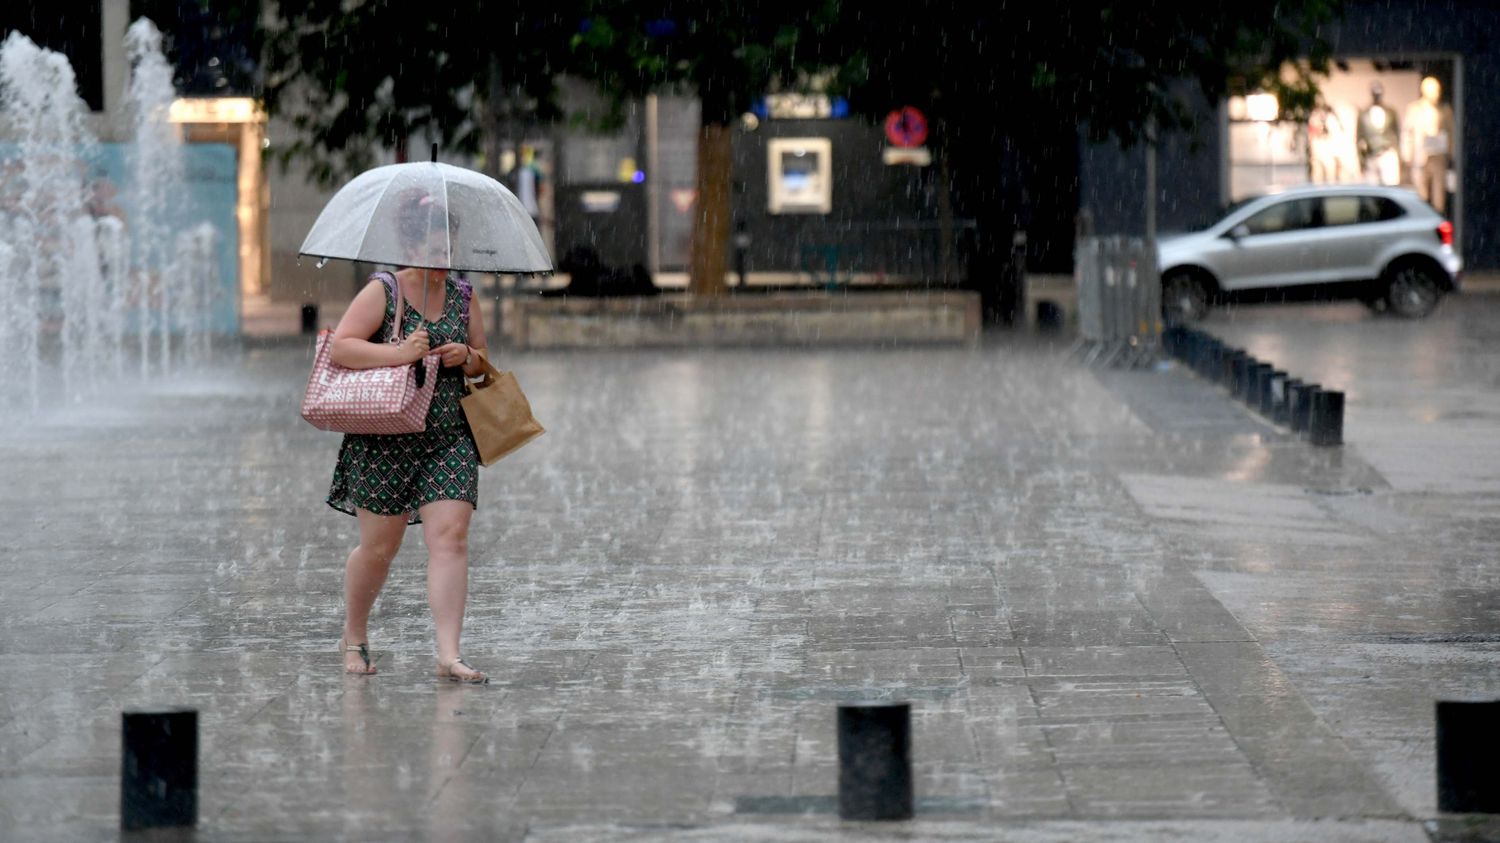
782,319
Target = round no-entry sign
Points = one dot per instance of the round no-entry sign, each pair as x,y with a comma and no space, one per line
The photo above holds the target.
906,127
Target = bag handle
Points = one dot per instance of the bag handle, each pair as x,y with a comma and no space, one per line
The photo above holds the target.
485,379
393,286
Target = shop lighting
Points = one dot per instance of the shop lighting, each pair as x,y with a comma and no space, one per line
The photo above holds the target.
1262,107
215,110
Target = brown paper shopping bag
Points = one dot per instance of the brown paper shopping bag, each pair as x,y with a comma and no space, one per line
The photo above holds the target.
499,414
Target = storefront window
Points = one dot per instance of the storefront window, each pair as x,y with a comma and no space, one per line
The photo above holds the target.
1377,122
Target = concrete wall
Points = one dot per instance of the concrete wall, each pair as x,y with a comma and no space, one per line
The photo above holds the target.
296,201
812,318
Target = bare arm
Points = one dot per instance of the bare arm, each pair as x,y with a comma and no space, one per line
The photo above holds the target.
352,348
477,341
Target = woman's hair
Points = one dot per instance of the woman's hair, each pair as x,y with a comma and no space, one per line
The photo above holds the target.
418,214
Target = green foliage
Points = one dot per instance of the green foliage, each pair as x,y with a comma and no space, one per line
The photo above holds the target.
725,53
353,76
1115,67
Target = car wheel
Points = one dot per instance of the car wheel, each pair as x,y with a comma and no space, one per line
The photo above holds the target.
1184,298
1413,290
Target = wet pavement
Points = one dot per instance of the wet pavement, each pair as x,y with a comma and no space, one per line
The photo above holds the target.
1122,606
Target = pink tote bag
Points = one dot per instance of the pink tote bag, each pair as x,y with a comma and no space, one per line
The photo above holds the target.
385,399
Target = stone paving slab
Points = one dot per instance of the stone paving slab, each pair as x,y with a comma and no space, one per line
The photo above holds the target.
1112,624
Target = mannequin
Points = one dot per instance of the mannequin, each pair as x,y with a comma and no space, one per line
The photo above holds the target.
528,183
1379,139
1344,144
1330,146
1427,144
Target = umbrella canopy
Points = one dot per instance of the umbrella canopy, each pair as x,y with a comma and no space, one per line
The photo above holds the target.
429,215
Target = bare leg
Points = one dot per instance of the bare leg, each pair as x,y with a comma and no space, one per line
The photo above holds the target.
445,525
364,576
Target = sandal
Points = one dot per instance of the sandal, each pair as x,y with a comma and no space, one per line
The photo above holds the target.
445,671
364,654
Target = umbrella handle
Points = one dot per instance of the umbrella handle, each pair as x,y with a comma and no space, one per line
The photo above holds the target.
422,364
422,323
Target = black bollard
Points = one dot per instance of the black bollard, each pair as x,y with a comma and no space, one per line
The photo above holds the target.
875,781
1173,341
1253,377
1250,390
1196,350
1049,316
1226,366
159,769
1282,412
1239,369
1326,425
1301,409
1468,740
1234,368
1198,347
1213,360
1271,387
309,318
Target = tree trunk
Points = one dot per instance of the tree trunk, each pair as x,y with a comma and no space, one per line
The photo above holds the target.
948,268
493,131
710,248
987,189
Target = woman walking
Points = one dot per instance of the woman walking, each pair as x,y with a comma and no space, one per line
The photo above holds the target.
429,478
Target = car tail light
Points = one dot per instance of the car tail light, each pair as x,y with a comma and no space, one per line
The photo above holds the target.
1445,232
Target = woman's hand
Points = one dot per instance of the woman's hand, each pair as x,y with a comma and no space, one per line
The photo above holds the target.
415,346
454,354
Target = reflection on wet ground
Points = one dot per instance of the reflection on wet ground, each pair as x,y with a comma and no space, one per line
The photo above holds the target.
1120,604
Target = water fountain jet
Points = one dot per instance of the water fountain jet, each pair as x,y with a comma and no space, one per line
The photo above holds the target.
87,279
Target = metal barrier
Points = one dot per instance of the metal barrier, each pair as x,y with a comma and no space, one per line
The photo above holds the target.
1119,301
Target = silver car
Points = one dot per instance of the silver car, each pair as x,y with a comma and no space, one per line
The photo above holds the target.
1381,245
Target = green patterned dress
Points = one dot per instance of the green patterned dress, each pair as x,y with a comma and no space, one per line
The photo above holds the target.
396,474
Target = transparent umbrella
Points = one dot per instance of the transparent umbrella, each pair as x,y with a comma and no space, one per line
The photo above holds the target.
429,215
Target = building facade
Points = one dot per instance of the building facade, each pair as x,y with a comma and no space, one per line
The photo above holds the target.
817,197
1407,102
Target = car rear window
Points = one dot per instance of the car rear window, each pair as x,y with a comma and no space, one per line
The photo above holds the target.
1379,209
1348,210
1344,210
